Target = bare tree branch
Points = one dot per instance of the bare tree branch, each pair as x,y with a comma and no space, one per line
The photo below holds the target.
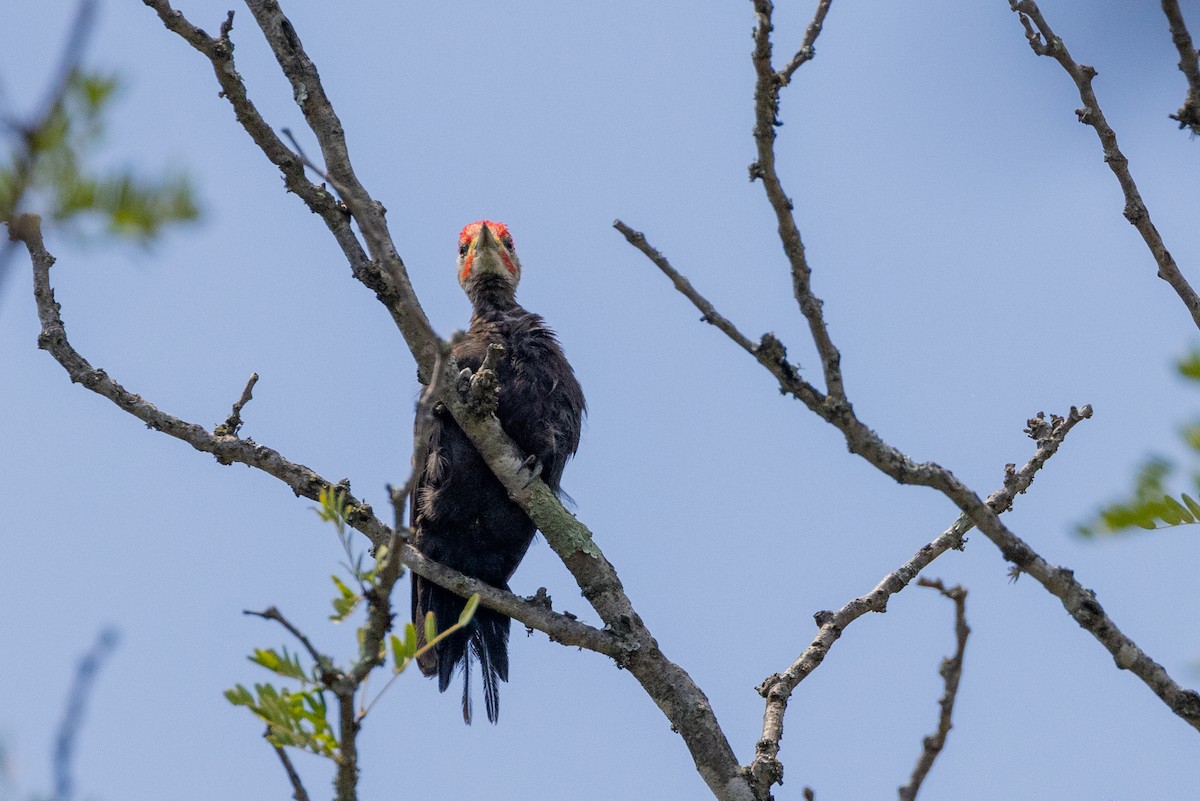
234,421
1080,602
673,690
68,730
766,119
806,52
834,406
298,791
25,159
1045,42
951,672
272,613
778,688
382,271
1188,115
302,480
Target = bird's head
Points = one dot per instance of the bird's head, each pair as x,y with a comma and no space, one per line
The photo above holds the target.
486,248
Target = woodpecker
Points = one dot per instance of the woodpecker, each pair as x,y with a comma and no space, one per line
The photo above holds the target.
461,514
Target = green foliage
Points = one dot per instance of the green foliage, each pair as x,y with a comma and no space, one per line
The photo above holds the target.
286,664
406,650
297,719
1151,505
345,604
48,172
334,509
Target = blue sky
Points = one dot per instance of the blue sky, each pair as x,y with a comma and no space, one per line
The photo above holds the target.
968,242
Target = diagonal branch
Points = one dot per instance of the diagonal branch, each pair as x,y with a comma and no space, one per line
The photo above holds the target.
669,685
1080,602
766,119
382,272
806,52
302,480
684,704
68,730
26,157
1045,42
298,791
625,637
951,672
777,689
1188,115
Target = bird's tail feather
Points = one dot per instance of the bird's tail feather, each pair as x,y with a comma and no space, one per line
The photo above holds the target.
485,637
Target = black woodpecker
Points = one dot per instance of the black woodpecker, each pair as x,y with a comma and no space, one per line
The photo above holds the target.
462,515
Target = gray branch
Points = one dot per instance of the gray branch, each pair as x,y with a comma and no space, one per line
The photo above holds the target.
834,405
778,688
302,480
382,271
1045,42
72,722
951,673
1188,115
684,704
1080,602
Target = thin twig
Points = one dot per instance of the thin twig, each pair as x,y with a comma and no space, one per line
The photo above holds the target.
778,688
302,480
272,613
709,313
951,672
234,421
1044,42
1188,115
68,730
1079,601
307,162
766,119
298,791
382,271
25,159
806,52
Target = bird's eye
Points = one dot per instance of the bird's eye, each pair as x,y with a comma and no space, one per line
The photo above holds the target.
462,249
507,240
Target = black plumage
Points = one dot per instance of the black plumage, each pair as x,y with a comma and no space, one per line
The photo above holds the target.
462,515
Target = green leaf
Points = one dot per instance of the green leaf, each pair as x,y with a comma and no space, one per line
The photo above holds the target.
397,652
286,664
1175,513
469,610
239,696
410,640
344,605
1192,506
297,719
1189,366
430,627
94,89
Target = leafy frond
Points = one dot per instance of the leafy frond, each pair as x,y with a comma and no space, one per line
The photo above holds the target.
297,719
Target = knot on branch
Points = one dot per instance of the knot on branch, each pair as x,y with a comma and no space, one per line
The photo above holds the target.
1188,116
766,770
234,421
764,689
771,352
1187,705
1134,211
1052,433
